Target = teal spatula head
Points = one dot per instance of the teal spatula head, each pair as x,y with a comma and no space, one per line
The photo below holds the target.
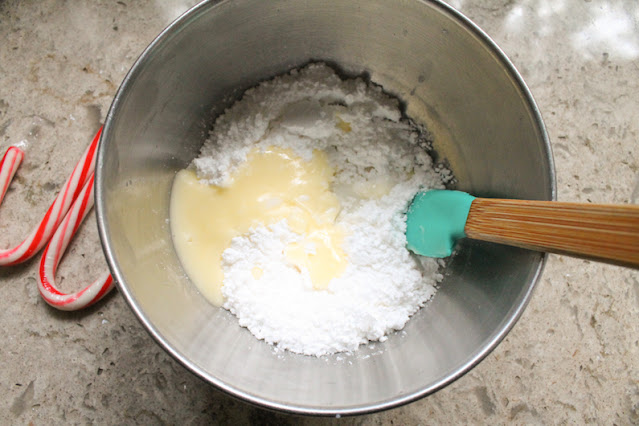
435,220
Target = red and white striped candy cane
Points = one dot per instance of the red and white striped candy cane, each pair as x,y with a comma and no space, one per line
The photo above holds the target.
54,251
8,166
49,223
59,224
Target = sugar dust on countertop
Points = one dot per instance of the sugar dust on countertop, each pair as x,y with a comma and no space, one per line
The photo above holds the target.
292,217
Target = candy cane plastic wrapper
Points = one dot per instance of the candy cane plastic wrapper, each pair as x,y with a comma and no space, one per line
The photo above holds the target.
54,251
77,195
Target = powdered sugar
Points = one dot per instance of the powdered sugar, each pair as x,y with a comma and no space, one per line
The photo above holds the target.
300,111
380,162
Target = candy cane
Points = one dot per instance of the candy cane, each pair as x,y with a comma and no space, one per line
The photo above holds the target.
8,166
70,191
59,225
54,251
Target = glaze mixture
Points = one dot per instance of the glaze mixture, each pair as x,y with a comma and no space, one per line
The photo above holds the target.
292,216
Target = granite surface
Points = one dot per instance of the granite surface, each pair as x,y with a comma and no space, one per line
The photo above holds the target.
572,358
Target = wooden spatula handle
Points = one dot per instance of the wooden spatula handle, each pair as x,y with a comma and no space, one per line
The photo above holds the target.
608,233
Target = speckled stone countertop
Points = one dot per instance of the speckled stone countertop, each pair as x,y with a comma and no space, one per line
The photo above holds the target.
572,358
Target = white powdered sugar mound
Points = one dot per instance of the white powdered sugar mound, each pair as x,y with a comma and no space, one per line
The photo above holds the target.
380,162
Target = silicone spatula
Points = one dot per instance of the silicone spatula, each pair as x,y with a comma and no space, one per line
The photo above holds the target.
436,219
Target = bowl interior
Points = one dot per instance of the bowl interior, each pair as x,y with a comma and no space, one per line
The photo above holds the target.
450,77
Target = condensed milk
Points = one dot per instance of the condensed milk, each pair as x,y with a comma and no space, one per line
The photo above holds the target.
272,185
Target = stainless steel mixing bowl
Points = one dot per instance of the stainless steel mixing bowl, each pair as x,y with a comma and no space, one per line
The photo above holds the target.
450,76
